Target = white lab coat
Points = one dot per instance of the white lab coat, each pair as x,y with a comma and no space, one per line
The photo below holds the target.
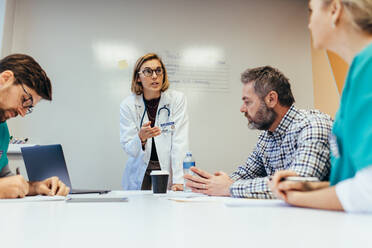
171,147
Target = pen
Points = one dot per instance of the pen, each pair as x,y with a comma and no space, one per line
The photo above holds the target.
297,179
300,179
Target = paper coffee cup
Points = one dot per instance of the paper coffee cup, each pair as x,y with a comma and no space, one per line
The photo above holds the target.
159,180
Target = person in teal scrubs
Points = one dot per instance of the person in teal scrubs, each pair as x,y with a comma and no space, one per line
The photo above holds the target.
4,144
23,83
344,27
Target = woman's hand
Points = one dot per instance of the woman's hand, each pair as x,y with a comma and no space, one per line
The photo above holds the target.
177,187
147,132
282,189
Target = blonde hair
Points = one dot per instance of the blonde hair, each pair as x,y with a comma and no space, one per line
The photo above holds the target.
360,12
137,87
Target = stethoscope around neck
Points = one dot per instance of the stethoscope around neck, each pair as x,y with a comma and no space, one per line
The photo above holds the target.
144,112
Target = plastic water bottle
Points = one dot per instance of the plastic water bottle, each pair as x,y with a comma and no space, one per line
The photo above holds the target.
187,163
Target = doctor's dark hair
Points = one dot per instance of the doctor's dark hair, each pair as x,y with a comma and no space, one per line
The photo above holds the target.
28,72
137,86
266,79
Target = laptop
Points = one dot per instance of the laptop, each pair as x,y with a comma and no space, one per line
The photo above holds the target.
47,161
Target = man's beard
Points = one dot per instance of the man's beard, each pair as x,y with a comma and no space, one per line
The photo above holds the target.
2,116
7,114
263,118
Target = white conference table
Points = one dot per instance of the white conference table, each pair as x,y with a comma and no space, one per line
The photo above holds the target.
152,221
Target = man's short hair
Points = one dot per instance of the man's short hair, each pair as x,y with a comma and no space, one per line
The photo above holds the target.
266,79
28,72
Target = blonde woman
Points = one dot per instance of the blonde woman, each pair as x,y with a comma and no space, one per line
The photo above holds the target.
345,27
153,126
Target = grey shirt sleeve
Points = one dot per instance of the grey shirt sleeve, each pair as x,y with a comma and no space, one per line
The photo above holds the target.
6,172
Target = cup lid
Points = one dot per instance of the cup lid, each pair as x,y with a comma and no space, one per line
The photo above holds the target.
159,172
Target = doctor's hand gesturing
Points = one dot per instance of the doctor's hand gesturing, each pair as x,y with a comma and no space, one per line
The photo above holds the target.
205,183
147,132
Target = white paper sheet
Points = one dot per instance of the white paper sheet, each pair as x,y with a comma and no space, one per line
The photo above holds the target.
37,198
239,202
180,196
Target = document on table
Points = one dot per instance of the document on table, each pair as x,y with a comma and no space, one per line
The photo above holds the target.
228,201
241,202
36,198
180,196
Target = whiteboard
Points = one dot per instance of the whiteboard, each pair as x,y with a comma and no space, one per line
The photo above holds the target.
80,44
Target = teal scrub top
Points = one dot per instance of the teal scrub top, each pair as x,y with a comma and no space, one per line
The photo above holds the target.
353,123
4,144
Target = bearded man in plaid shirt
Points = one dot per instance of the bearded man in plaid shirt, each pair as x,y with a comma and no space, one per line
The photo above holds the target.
292,139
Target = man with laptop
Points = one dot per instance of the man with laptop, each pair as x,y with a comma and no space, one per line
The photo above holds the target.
23,83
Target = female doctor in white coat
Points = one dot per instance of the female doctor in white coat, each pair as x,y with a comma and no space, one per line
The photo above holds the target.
153,126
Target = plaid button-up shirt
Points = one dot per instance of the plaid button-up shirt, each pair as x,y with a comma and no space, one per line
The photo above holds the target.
300,143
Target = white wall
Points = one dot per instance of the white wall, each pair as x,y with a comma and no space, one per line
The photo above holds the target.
80,42
2,18
7,9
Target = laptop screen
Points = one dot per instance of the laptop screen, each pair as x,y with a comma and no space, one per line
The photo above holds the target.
46,161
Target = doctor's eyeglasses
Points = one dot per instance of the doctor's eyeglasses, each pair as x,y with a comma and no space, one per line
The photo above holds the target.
148,72
27,102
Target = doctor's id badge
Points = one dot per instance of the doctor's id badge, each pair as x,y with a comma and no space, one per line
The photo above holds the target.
167,127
